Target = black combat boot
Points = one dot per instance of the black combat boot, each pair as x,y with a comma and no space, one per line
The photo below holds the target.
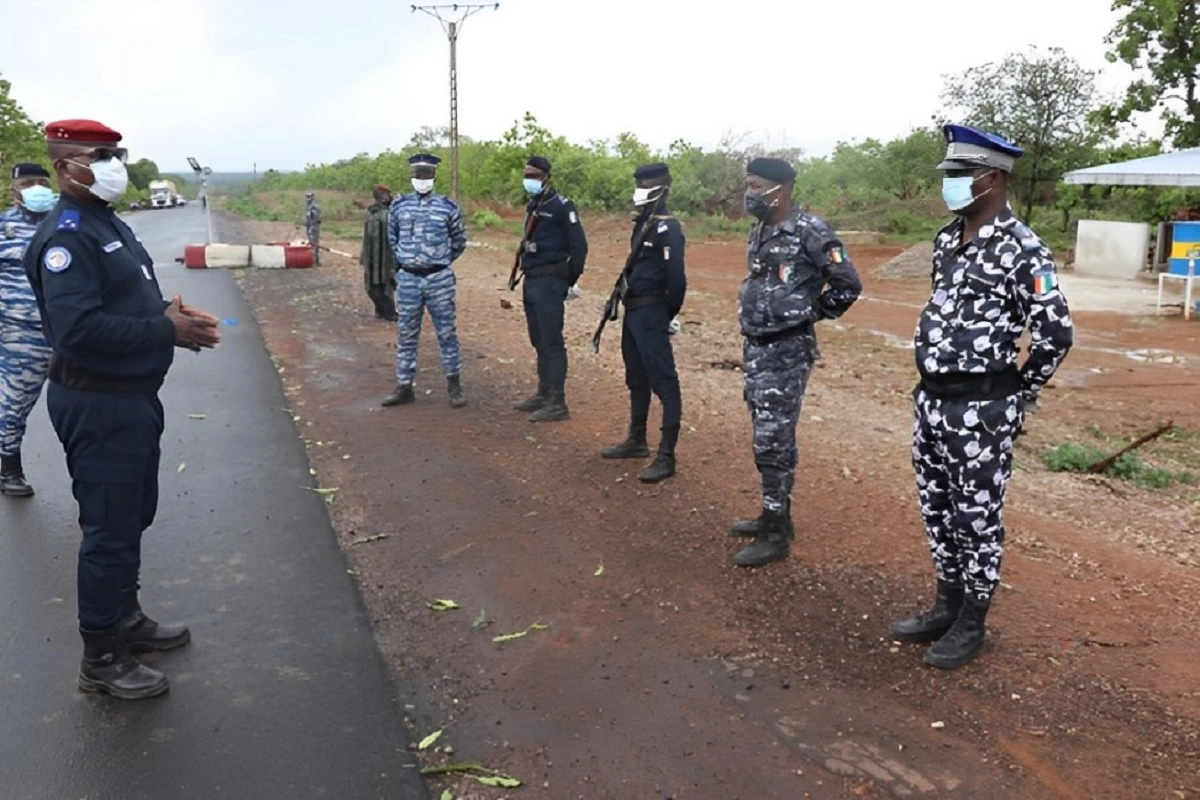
965,637
663,465
750,527
109,668
402,396
142,634
555,409
771,543
931,625
12,477
458,398
531,404
634,445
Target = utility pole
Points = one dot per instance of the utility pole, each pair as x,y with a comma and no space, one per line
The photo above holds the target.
452,16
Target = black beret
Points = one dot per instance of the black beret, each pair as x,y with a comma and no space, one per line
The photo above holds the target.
648,172
27,170
539,162
773,169
424,160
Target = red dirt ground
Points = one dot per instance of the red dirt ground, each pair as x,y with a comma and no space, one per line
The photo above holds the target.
673,675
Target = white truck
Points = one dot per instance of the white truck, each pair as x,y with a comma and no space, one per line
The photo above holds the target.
163,194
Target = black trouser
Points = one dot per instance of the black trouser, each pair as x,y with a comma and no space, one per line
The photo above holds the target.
650,367
111,441
383,295
544,296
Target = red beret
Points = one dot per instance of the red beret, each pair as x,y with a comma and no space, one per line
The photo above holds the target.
382,188
81,131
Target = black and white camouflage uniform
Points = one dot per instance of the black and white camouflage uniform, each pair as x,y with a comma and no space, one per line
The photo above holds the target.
984,295
799,274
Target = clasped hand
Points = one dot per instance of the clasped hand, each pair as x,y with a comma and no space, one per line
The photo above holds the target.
194,329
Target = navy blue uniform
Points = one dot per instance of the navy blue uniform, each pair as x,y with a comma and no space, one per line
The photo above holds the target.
552,262
103,313
655,288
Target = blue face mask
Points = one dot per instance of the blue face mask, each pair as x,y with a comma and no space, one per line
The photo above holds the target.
532,185
958,193
38,199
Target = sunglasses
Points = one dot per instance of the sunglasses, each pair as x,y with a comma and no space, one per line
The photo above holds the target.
106,153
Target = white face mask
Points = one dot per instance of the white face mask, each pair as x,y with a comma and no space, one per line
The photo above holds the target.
110,179
643,196
422,185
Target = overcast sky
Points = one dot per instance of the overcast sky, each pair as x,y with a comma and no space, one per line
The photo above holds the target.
289,82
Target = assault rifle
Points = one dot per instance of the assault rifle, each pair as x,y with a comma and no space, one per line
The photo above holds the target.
531,223
612,307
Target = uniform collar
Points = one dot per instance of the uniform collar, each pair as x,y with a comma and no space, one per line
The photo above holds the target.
1000,225
545,196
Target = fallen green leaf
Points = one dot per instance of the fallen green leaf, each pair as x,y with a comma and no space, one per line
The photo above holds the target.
197,416
498,780
845,472
481,620
182,467
324,492
447,796
442,605
599,570
430,739
508,637
376,538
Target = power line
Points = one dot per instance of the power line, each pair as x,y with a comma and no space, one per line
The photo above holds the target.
452,16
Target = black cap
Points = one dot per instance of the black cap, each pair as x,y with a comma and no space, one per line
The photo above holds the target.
29,170
775,170
648,172
539,162
424,160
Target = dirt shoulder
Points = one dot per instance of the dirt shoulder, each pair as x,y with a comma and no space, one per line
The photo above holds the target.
671,674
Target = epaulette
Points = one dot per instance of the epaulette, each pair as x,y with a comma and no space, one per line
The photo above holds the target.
1028,239
68,220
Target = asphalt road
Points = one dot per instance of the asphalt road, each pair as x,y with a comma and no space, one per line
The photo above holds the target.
283,692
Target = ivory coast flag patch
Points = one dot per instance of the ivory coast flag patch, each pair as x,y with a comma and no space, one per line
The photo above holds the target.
837,255
1045,280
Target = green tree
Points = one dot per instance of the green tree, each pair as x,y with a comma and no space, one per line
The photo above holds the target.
1041,101
1161,40
141,172
21,139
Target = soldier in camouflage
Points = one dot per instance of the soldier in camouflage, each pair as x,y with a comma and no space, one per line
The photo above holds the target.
312,225
992,279
24,352
427,235
799,274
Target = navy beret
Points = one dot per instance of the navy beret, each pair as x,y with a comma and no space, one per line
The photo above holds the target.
28,170
775,170
539,162
424,160
648,172
972,148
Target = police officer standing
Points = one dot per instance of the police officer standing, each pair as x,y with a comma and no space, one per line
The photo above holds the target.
427,235
24,353
655,285
554,251
799,274
992,278
114,339
378,263
312,225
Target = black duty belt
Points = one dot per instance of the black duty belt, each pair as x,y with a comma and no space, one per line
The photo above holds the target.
779,336
424,271
560,269
973,385
72,376
644,300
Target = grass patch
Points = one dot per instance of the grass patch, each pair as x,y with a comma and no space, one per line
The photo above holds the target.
1077,457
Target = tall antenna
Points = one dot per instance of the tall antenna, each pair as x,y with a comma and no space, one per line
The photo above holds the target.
452,16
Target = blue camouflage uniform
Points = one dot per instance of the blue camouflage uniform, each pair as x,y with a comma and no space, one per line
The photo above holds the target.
24,352
552,262
312,226
103,314
426,234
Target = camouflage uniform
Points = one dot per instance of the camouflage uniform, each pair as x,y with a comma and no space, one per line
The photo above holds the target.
24,352
427,235
312,228
984,295
799,274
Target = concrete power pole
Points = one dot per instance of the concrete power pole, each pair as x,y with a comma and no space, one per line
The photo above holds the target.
452,17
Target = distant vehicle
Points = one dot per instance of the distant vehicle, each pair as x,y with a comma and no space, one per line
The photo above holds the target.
163,194
182,201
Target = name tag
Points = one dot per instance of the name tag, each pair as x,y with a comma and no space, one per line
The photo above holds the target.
146,272
113,247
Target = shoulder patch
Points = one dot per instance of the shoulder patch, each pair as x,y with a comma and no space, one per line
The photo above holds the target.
662,227
1045,280
68,220
573,217
837,254
57,259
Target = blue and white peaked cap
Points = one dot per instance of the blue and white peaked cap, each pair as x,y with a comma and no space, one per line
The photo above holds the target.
971,148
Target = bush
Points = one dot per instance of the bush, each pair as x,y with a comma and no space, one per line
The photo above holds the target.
486,218
1074,457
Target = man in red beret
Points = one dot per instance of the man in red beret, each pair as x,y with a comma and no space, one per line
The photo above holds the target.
113,338
378,263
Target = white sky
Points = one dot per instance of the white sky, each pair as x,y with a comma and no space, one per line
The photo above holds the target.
289,82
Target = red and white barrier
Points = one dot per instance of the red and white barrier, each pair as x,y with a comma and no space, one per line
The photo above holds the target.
278,255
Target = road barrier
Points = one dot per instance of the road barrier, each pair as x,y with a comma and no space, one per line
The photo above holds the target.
276,255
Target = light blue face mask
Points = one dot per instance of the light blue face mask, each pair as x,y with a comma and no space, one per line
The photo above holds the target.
532,185
958,193
38,199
